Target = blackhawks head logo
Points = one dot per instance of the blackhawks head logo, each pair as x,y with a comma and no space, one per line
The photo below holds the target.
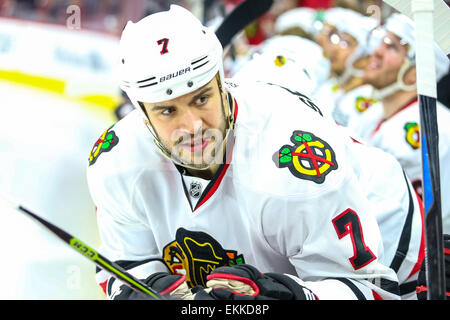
310,157
105,143
363,103
412,134
280,61
195,254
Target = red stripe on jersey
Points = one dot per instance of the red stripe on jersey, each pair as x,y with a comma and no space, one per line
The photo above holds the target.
219,179
376,296
421,255
224,169
103,286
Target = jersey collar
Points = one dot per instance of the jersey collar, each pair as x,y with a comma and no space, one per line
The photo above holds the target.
214,183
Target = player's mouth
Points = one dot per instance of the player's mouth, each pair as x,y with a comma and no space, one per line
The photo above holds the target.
373,65
196,145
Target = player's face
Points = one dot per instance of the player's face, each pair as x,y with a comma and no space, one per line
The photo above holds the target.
323,39
385,62
341,47
192,127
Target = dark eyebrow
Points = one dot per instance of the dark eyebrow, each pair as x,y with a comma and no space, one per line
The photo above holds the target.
198,95
156,108
201,93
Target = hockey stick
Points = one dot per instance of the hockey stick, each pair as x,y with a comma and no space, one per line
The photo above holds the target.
430,18
426,89
87,251
241,16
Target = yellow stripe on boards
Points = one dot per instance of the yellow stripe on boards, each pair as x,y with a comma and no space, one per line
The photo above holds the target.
58,86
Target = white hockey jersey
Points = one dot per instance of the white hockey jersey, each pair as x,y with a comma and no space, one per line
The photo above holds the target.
399,135
293,196
327,93
351,106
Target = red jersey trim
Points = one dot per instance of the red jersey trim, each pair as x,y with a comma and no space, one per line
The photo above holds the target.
398,111
214,184
421,255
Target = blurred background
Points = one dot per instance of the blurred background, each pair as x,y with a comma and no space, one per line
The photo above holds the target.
58,92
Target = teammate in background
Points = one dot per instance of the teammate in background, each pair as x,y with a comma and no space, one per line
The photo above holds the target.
280,60
300,22
348,52
207,174
392,73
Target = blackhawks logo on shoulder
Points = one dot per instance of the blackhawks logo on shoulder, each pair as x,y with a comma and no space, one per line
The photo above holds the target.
363,103
310,157
412,134
105,143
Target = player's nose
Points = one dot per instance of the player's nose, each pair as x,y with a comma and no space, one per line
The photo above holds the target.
191,122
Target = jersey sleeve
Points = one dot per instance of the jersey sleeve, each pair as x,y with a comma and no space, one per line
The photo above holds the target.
312,207
126,237
334,243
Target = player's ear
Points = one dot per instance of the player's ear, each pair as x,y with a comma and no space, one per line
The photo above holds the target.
410,76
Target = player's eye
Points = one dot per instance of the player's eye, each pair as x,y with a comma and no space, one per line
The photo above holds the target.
390,44
201,100
168,111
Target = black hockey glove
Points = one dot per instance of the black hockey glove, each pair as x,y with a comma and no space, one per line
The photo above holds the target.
422,289
172,287
245,282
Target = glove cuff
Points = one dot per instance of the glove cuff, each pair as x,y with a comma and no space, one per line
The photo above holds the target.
228,276
164,283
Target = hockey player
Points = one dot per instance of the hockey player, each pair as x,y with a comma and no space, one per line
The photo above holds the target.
392,73
209,181
348,53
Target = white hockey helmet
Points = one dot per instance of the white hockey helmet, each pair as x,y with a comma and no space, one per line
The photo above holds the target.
302,17
166,55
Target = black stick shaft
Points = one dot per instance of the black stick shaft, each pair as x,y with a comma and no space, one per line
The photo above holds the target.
434,258
241,16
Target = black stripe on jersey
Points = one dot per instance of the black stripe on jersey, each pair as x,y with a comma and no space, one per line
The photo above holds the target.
405,237
359,295
408,287
390,286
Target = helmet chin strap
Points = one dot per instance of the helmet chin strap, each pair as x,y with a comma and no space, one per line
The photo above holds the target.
229,118
396,86
350,70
